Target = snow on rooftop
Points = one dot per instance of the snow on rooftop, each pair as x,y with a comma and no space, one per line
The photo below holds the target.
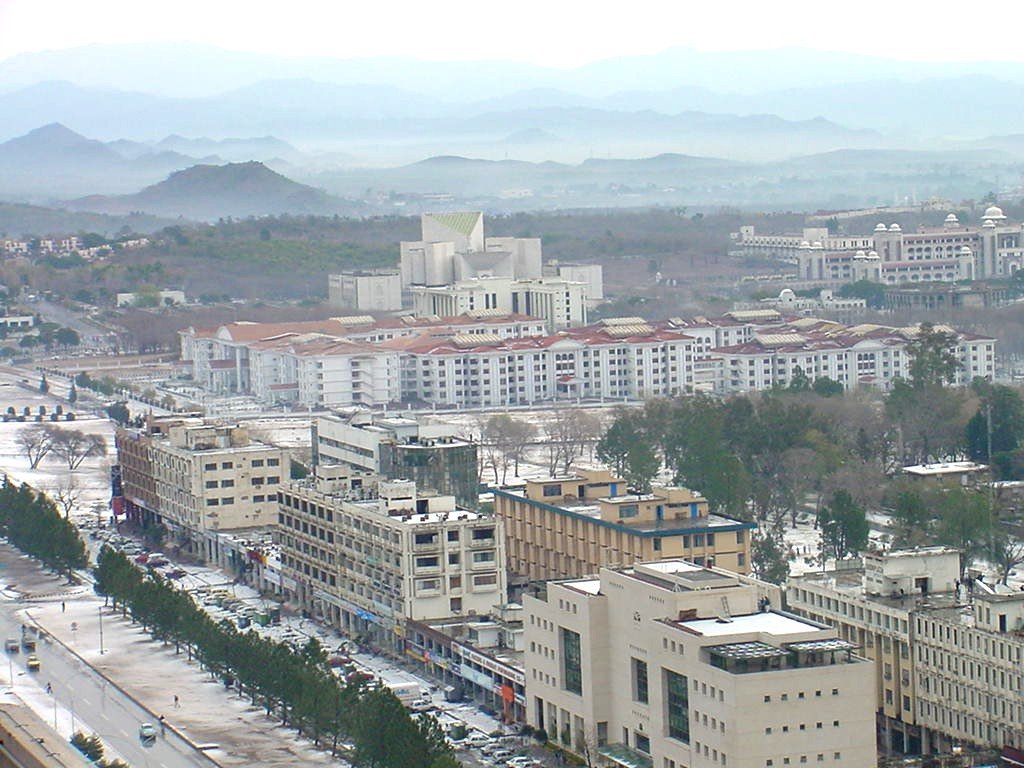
945,468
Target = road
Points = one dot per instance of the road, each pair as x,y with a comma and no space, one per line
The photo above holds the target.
96,705
90,333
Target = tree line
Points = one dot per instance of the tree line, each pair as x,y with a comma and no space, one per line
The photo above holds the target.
32,523
297,686
766,456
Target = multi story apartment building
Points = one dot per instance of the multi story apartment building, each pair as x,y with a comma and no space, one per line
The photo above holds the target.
334,363
567,527
367,555
670,664
488,359
953,252
865,355
947,652
198,478
398,448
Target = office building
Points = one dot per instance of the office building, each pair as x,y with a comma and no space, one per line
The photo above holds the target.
365,554
567,527
947,650
197,478
399,448
674,665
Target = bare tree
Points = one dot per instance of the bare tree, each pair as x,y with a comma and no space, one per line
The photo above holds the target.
1007,553
569,432
74,446
66,493
36,442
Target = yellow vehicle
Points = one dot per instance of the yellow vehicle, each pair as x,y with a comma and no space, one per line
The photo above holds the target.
33,663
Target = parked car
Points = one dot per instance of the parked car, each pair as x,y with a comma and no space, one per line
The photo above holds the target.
33,663
28,644
11,645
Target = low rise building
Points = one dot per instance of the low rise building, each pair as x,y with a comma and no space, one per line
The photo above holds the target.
672,664
157,298
567,527
197,479
399,448
366,555
477,656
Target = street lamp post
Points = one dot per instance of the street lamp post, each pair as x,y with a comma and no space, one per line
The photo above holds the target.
100,609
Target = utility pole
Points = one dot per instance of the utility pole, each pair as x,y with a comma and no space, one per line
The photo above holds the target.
100,610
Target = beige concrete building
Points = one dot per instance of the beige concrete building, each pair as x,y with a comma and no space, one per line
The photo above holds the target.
567,527
370,290
196,478
560,303
948,653
672,665
367,554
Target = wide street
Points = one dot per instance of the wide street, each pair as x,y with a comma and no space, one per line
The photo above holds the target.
96,705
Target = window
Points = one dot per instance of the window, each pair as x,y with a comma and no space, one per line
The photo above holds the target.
212,502
639,680
273,462
553,489
484,557
642,743
629,510
426,562
211,483
678,704
257,462
227,465
227,483
227,500
258,499
572,661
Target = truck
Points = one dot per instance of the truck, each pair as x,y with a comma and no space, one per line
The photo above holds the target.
408,693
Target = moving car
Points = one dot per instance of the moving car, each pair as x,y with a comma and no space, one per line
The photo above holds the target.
147,734
33,663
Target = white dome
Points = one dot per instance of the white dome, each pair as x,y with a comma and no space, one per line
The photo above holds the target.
873,255
993,212
805,244
817,244
880,227
989,224
895,228
952,219
966,251
860,255
786,294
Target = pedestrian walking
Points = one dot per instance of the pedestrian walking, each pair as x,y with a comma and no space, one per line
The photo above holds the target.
177,704
49,688
163,726
63,606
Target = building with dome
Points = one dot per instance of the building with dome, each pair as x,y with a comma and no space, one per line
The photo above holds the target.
992,249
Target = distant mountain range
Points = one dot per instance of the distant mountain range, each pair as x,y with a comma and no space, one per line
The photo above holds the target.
206,192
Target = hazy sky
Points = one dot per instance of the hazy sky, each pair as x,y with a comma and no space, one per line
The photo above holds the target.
552,32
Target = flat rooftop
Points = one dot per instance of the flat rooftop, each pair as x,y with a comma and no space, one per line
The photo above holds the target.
945,468
768,622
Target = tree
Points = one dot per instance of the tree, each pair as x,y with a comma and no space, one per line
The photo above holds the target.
629,449
36,442
1003,409
44,386
933,357
67,337
911,520
1006,552
119,413
827,387
844,527
66,493
569,432
74,446
964,521
505,439
769,557
72,393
